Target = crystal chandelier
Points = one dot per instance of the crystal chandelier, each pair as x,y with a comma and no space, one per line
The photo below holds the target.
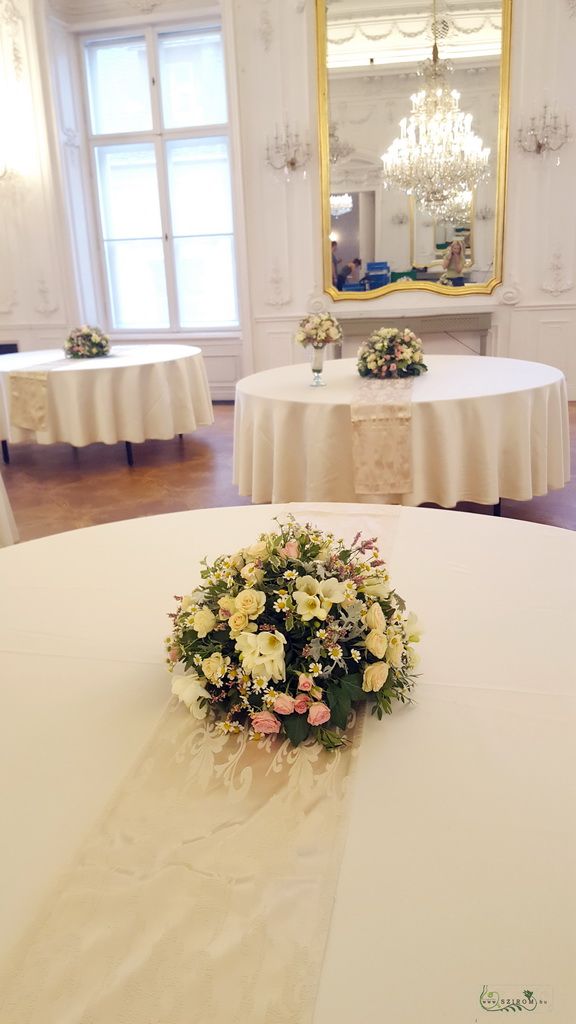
337,149
341,204
437,156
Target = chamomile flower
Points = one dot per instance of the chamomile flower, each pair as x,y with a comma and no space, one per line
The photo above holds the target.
355,654
315,668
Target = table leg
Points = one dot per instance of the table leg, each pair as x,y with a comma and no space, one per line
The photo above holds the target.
5,452
129,453
497,509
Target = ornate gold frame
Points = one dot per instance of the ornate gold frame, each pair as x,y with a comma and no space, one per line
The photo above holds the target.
502,165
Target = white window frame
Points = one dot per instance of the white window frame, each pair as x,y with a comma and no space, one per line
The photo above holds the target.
158,136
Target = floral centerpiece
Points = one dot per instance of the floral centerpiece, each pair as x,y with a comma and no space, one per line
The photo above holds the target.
86,343
318,330
390,352
287,635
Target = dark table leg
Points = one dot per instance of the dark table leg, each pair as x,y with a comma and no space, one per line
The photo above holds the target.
129,453
5,452
497,509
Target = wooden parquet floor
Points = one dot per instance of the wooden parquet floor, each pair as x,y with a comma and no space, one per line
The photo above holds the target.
56,488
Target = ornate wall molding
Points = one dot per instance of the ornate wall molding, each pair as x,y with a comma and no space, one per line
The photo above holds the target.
145,6
557,279
46,306
265,30
278,292
510,294
8,301
12,20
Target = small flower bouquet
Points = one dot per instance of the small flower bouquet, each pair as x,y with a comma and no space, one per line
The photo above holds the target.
390,352
86,343
318,330
287,635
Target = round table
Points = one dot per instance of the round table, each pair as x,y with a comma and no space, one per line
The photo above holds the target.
135,393
458,867
482,429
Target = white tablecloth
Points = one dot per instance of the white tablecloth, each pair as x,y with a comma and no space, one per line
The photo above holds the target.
8,531
458,871
482,429
135,393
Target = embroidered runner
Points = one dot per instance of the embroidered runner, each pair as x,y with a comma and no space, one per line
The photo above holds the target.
204,894
28,399
381,414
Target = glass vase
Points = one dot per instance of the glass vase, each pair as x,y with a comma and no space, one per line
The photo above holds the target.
317,364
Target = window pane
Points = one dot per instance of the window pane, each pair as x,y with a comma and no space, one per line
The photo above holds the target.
199,179
206,281
137,283
192,79
128,187
118,86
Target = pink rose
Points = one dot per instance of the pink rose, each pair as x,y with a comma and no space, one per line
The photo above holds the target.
174,654
392,367
284,704
305,682
301,704
291,549
318,713
264,721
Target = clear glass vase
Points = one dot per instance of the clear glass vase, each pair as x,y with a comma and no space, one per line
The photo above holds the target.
317,364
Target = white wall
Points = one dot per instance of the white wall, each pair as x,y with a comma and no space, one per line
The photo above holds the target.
272,45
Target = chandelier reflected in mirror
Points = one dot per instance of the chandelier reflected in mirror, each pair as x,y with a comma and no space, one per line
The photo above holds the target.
437,158
338,149
341,204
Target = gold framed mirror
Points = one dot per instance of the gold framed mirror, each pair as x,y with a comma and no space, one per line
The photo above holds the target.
413,136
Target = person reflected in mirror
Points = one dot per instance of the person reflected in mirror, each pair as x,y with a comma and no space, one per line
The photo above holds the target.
349,273
335,261
453,263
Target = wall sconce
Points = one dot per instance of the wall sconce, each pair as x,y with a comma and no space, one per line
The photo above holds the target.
484,213
544,133
287,152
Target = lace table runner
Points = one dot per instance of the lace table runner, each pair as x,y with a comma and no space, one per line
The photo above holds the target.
28,399
381,414
203,895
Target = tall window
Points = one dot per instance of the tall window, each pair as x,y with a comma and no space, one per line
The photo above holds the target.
159,133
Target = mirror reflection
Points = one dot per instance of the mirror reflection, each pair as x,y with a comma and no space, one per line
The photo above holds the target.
413,128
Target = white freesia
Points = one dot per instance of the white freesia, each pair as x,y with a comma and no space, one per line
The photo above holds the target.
308,606
395,651
333,590
376,586
189,690
262,655
413,629
307,585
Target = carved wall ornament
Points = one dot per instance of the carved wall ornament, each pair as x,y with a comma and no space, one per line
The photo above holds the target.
12,19
557,279
71,138
278,294
510,294
265,29
317,301
8,300
145,6
46,306
571,7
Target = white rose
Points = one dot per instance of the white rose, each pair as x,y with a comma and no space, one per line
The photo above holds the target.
215,666
251,602
308,606
374,677
375,618
238,621
376,643
227,605
257,551
203,622
251,573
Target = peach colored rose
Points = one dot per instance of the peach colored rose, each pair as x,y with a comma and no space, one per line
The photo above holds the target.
375,618
284,704
265,721
316,691
291,549
305,682
318,713
301,704
174,654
